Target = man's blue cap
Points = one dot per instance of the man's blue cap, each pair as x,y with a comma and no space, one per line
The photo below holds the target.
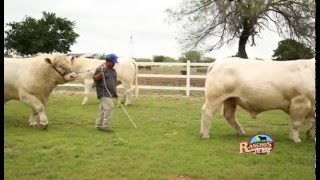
112,57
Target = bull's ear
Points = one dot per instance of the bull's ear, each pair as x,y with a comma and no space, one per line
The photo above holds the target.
48,60
72,59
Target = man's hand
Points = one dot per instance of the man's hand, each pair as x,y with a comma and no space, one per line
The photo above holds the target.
103,68
98,77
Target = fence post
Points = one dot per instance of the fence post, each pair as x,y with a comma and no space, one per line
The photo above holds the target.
188,79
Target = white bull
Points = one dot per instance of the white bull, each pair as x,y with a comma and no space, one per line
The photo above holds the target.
258,86
126,69
31,81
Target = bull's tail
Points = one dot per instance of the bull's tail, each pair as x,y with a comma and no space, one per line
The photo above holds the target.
210,67
222,110
136,88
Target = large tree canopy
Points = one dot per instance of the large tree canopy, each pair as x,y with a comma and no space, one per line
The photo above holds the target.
210,24
290,49
46,35
193,56
159,58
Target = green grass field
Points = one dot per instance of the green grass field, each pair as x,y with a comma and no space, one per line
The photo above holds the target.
166,144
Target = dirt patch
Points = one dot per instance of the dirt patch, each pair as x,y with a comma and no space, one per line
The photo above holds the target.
179,82
170,82
185,177
194,82
144,94
8,148
67,92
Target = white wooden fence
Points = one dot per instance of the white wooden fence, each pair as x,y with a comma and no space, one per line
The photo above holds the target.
188,76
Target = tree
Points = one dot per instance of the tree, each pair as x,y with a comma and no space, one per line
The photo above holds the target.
204,20
193,56
207,59
158,58
169,59
142,59
290,49
102,56
7,55
46,35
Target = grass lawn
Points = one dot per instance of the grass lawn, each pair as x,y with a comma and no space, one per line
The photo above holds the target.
166,144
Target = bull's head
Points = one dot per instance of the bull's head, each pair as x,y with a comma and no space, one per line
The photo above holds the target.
62,65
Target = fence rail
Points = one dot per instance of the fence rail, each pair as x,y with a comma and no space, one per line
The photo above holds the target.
188,76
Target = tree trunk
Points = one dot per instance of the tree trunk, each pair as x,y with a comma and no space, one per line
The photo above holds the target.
243,40
242,47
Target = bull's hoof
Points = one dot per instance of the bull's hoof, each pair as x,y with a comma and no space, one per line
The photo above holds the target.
202,136
33,125
309,135
241,134
44,126
297,140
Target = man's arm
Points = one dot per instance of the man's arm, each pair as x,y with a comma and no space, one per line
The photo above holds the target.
97,76
115,87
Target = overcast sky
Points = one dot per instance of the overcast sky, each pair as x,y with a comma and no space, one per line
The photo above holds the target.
105,26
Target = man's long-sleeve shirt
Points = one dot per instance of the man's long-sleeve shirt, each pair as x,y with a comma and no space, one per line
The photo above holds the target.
110,80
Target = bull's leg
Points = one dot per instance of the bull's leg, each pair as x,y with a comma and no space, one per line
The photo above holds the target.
310,120
124,97
129,97
37,106
299,108
311,130
87,87
128,94
294,134
229,109
208,109
33,119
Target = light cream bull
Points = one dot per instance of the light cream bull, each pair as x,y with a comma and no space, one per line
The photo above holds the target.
31,81
259,86
126,69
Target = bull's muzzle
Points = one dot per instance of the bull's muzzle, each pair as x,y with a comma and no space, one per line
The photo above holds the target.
70,77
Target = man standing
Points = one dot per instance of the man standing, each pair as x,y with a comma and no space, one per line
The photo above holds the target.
105,78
